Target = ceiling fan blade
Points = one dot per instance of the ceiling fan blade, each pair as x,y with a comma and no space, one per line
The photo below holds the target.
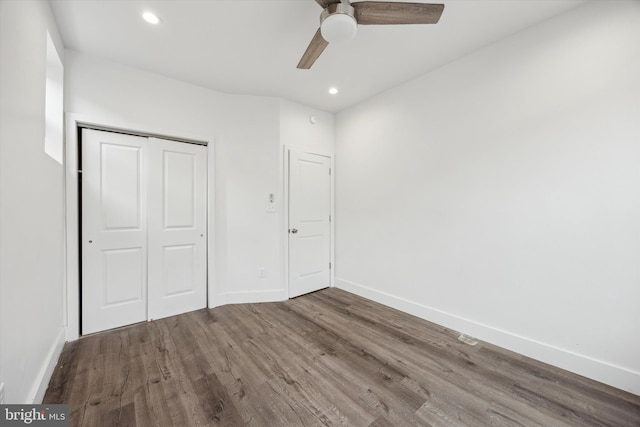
388,13
316,47
325,3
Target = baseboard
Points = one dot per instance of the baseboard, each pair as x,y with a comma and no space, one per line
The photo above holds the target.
217,300
253,296
46,371
598,370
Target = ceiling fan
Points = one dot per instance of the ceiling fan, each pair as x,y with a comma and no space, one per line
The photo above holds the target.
340,18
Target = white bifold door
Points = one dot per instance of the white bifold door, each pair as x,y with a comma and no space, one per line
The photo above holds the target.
309,223
144,209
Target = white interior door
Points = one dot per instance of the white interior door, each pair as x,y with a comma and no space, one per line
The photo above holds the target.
144,226
309,223
177,227
114,230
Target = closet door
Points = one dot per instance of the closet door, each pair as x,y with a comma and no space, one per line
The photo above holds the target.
114,230
144,227
177,227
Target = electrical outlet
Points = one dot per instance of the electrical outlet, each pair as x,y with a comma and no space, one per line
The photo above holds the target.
1,393
261,272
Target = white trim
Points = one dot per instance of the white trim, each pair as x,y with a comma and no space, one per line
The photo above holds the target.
599,370
332,277
285,213
72,227
41,384
73,121
211,225
284,232
255,296
218,300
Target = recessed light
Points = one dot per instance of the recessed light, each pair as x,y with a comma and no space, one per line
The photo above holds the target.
151,18
333,90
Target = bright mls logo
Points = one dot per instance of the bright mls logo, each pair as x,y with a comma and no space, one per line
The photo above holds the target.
35,415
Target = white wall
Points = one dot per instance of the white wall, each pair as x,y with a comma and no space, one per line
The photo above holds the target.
500,194
248,174
303,129
246,134
249,133
297,131
31,207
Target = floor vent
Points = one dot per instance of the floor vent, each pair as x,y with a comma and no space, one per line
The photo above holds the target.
467,339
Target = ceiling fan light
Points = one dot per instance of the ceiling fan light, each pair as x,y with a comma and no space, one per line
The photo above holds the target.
339,27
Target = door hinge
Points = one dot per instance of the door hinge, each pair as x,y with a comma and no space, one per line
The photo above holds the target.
329,171
329,218
329,266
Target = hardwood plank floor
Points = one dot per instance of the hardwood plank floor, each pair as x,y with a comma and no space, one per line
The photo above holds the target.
327,358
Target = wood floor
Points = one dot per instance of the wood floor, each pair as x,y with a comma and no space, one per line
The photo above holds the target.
328,358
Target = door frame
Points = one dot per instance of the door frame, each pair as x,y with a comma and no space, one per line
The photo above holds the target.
285,212
73,123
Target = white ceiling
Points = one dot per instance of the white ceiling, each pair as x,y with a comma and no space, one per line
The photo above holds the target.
253,46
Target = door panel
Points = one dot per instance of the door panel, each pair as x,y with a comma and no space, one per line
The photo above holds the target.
309,224
114,236
120,186
179,191
177,278
177,242
123,276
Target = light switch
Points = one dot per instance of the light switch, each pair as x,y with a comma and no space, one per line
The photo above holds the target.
271,203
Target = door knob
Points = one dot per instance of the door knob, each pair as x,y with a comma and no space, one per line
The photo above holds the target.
294,231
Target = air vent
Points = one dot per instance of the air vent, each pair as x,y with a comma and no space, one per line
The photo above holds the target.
467,339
